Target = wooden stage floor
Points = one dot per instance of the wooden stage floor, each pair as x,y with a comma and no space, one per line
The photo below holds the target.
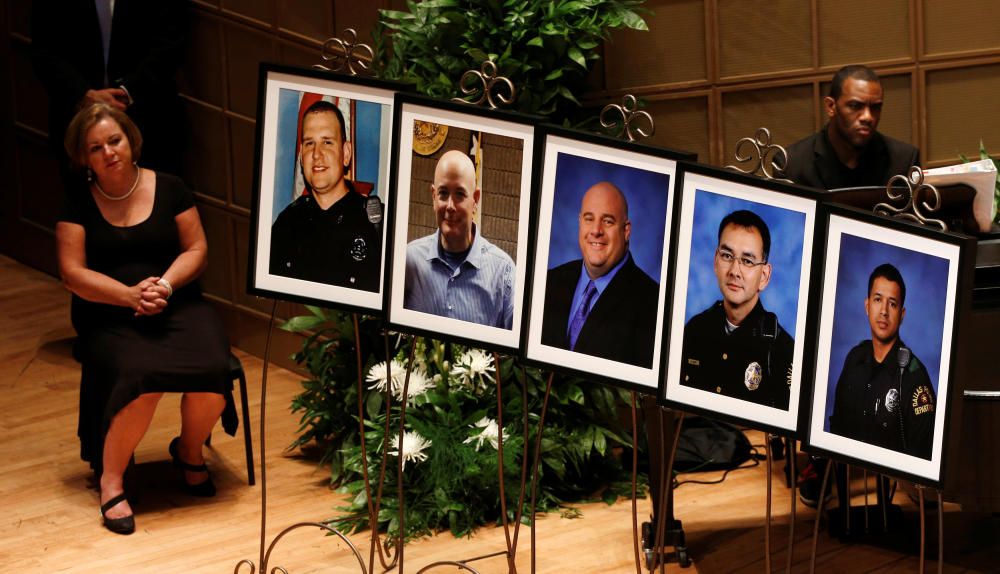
50,519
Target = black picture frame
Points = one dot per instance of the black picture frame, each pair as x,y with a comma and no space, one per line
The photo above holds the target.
504,146
716,379
933,327
570,162
284,92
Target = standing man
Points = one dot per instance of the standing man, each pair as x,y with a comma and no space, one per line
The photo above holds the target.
736,347
124,53
884,396
603,304
455,272
331,234
849,151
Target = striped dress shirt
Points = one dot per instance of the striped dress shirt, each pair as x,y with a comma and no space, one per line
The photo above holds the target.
479,290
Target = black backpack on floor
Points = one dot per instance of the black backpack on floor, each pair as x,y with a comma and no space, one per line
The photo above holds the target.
707,444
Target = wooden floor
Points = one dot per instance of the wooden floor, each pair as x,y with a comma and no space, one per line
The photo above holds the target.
50,520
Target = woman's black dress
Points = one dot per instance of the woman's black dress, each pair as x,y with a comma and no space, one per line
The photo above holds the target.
182,349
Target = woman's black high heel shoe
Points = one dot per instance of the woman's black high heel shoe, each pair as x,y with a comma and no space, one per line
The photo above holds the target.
123,525
205,488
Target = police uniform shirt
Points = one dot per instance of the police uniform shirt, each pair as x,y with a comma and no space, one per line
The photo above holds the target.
341,245
876,405
752,363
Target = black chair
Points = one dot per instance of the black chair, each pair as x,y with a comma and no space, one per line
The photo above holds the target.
236,372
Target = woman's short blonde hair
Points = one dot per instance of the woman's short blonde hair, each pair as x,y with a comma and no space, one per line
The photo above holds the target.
76,134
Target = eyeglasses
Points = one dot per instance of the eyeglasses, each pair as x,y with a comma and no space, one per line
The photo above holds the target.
728,257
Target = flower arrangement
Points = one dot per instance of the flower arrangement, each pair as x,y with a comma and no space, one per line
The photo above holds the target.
452,429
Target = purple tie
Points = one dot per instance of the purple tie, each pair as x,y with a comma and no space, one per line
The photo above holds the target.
576,325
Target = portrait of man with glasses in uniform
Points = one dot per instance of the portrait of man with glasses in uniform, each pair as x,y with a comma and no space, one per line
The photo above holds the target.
735,347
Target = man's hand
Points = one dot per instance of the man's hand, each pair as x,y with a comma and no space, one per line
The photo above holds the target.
115,97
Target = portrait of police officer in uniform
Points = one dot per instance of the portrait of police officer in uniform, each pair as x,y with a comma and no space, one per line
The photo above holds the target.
331,234
884,396
736,347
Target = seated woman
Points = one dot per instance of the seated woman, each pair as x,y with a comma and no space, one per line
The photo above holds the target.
130,247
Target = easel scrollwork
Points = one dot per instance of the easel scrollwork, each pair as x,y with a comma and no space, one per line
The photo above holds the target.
629,123
346,54
486,87
913,197
763,158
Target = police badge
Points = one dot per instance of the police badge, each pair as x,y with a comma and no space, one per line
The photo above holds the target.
359,249
892,400
752,376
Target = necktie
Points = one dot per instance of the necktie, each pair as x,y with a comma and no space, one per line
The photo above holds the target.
104,18
576,325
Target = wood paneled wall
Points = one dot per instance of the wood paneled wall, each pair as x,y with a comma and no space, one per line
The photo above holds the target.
711,72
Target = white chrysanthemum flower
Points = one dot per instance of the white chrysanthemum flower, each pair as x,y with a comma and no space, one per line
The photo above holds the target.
488,431
413,447
473,368
379,376
419,384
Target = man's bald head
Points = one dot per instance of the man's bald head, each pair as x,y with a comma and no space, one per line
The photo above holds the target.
455,198
604,228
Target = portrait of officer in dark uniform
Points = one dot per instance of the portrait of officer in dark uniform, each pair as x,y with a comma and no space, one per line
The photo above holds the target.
331,234
736,347
884,395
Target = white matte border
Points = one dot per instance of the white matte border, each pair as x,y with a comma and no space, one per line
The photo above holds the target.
839,226
673,390
535,350
447,326
263,279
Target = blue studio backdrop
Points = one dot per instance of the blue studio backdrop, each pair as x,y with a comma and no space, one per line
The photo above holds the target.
926,278
647,193
787,227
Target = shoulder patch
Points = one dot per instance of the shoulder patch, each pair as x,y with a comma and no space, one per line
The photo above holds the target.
921,400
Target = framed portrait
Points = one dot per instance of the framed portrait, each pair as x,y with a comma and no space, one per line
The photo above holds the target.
744,249
460,224
321,184
889,296
601,255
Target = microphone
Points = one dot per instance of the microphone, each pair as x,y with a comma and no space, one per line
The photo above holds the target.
903,356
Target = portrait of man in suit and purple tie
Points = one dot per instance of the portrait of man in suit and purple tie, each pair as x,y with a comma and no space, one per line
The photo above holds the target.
602,304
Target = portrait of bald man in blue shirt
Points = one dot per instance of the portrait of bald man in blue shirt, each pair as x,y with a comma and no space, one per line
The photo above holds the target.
603,304
455,272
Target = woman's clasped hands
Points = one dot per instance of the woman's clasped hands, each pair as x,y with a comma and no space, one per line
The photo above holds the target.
148,297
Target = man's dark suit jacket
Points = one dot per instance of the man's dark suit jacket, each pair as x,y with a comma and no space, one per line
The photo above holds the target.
621,326
144,55
813,162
